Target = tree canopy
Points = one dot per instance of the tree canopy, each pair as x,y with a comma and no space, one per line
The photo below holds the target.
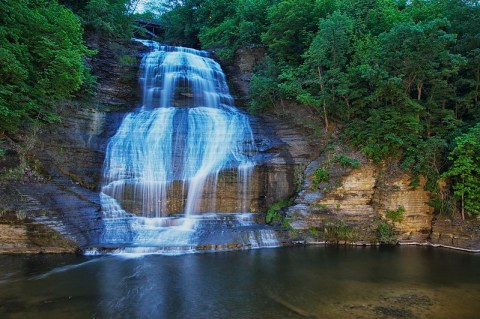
41,51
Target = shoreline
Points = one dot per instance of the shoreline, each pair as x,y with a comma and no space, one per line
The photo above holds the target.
400,243
78,251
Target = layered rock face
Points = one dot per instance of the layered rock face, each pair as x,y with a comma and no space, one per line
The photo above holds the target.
456,233
64,206
30,238
73,154
396,192
357,200
61,211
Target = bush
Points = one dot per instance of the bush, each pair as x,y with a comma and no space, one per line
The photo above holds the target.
386,233
273,213
346,161
339,231
319,176
314,232
395,216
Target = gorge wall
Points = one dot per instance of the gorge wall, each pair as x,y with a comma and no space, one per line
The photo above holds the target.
357,201
59,210
354,202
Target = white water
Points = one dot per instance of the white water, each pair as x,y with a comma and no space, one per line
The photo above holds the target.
172,150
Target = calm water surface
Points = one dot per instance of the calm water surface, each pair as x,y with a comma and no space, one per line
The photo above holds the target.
311,282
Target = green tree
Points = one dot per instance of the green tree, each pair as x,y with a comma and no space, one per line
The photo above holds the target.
371,16
326,61
242,27
41,59
265,89
291,26
465,170
108,18
180,23
419,54
406,86
111,18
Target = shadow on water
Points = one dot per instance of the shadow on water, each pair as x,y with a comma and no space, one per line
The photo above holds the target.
307,282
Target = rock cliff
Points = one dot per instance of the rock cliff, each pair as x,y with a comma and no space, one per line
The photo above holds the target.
456,233
60,211
355,201
63,204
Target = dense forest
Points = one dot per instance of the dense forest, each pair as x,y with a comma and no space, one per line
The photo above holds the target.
398,80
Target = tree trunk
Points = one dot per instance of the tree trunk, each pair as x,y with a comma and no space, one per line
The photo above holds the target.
477,87
325,115
348,107
419,90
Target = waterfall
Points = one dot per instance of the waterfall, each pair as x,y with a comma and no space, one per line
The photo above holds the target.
162,166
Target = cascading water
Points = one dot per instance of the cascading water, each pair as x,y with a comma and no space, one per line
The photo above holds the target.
162,167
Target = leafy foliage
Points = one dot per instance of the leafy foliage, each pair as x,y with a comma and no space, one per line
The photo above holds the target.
108,18
41,60
346,161
338,231
273,213
396,215
242,28
386,233
465,170
319,175
291,26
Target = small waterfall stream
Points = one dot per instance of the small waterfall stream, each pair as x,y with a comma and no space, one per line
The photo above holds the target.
162,167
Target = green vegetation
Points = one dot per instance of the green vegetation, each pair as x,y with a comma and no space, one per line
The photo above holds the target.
338,231
314,232
386,228
273,213
386,233
465,170
110,19
334,231
346,161
41,60
42,54
319,176
395,216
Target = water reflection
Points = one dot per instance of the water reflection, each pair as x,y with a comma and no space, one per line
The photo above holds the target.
332,282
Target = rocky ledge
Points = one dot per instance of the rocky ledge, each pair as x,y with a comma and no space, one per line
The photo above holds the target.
456,233
351,205
355,205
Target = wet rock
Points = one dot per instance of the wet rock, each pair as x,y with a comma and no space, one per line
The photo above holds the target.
454,232
411,300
